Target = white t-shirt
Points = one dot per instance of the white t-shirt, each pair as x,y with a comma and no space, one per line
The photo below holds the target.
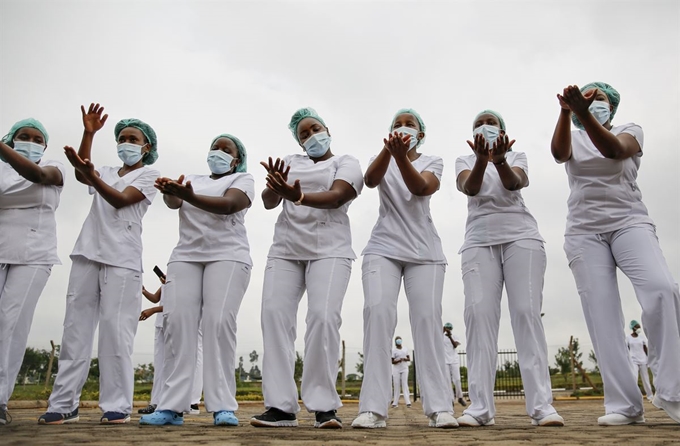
405,230
636,348
450,353
497,215
114,236
400,353
208,237
306,233
604,194
28,228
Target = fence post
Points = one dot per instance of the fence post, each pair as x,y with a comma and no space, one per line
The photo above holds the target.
573,367
49,365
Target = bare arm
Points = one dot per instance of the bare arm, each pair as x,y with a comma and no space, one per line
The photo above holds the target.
176,192
560,145
617,147
470,182
93,121
152,297
376,171
48,176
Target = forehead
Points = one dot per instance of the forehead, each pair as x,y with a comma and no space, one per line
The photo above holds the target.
131,131
487,117
405,117
307,122
225,143
30,131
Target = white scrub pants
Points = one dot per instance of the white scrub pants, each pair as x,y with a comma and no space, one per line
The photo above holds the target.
635,250
20,288
424,285
400,379
454,376
111,297
644,375
285,281
521,266
216,290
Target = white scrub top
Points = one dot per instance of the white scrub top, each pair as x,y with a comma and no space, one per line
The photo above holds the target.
497,215
400,353
450,353
114,236
208,237
405,230
635,346
28,228
604,194
306,233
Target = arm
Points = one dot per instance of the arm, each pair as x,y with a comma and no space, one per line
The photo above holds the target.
270,198
48,176
233,200
419,184
152,297
560,145
470,182
512,178
93,121
340,193
146,314
376,171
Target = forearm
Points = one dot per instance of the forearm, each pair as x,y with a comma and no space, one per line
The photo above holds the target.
376,171
214,205
509,179
414,181
560,145
172,202
85,152
473,183
112,196
270,198
325,200
24,167
605,142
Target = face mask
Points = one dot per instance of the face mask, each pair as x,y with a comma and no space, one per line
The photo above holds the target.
398,342
219,162
317,145
600,109
409,131
489,132
29,150
638,330
130,154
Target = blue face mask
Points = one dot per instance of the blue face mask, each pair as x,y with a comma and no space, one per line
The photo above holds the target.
30,150
489,132
409,131
130,154
219,162
600,110
317,145
398,342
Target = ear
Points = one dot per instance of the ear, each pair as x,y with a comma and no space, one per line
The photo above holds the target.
421,135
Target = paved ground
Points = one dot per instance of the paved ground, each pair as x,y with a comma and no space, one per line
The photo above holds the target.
405,427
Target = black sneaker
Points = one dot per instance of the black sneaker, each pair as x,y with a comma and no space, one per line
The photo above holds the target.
327,420
151,408
59,418
5,417
274,417
461,401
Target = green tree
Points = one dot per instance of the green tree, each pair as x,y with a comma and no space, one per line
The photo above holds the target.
297,374
93,375
360,365
593,359
34,365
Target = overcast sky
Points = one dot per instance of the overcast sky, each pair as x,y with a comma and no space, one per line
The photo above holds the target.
193,70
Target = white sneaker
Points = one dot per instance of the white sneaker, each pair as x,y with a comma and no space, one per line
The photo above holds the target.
470,421
369,420
551,420
672,408
617,419
443,420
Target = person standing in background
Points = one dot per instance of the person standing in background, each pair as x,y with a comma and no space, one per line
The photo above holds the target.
451,343
400,361
637,346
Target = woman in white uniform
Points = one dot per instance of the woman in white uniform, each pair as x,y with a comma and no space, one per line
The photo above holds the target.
312,252
158,348
451,343
400,360
208,274
406,180
637,346
106,274
29,196
502,247
608,227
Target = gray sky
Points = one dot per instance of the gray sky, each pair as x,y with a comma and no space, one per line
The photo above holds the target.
196,69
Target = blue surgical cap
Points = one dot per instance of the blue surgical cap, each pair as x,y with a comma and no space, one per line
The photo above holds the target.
28,122
633,323
415,115
613,96
243,156
490,112
298,116
152,155
448,325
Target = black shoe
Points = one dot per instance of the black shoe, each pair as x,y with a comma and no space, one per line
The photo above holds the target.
151,408
327,420
461,401
5,417
274,417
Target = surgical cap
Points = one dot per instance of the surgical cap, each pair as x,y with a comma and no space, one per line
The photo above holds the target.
28,122
490,112
298,116
415,115
633,323
152,155
243,156
613,96
448,325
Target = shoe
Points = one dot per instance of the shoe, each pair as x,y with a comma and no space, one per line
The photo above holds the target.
394,406
408,406
274,417
5,417
151,408
195,410
443,420
617,419
225,418
369,420
114,418
672,408
327,420
59,418
470,421
461,401
551,420
162,418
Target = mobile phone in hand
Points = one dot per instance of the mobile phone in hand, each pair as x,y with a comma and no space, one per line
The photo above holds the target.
159,273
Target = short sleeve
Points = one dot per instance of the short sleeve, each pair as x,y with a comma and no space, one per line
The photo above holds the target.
349,170
144,183
461,165
246,184
636,132
436,166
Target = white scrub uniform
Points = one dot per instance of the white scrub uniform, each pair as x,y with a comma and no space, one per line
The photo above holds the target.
453,363
503,246
608,227
636,347
400,376
208,274
311,251
104,288
28,249
404,243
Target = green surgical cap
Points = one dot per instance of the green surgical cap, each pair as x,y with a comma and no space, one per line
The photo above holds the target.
152,155
448,325
416,115
490,112
28,122
298,116
633,323
243,156
613,96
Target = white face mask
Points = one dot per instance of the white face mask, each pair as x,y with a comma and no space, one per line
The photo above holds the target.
638,330
219,162
317,145
30,150
409,131
130,154
600,109
489,132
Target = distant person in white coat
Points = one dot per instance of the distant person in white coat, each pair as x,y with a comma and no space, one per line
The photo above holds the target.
451,343
400,360
637,346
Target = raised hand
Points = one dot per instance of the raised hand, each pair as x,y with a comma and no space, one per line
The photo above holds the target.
277,184
278,166
398,144
84,166
500,147
480,147
93,120
176,188
573,99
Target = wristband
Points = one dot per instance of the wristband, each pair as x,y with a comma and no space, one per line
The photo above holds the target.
299,202
500,164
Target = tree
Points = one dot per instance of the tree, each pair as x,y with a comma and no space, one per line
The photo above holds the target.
593,359
360,365
297,374
144,373
563,358
240,371
254,356
511,368
93,375
34,365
